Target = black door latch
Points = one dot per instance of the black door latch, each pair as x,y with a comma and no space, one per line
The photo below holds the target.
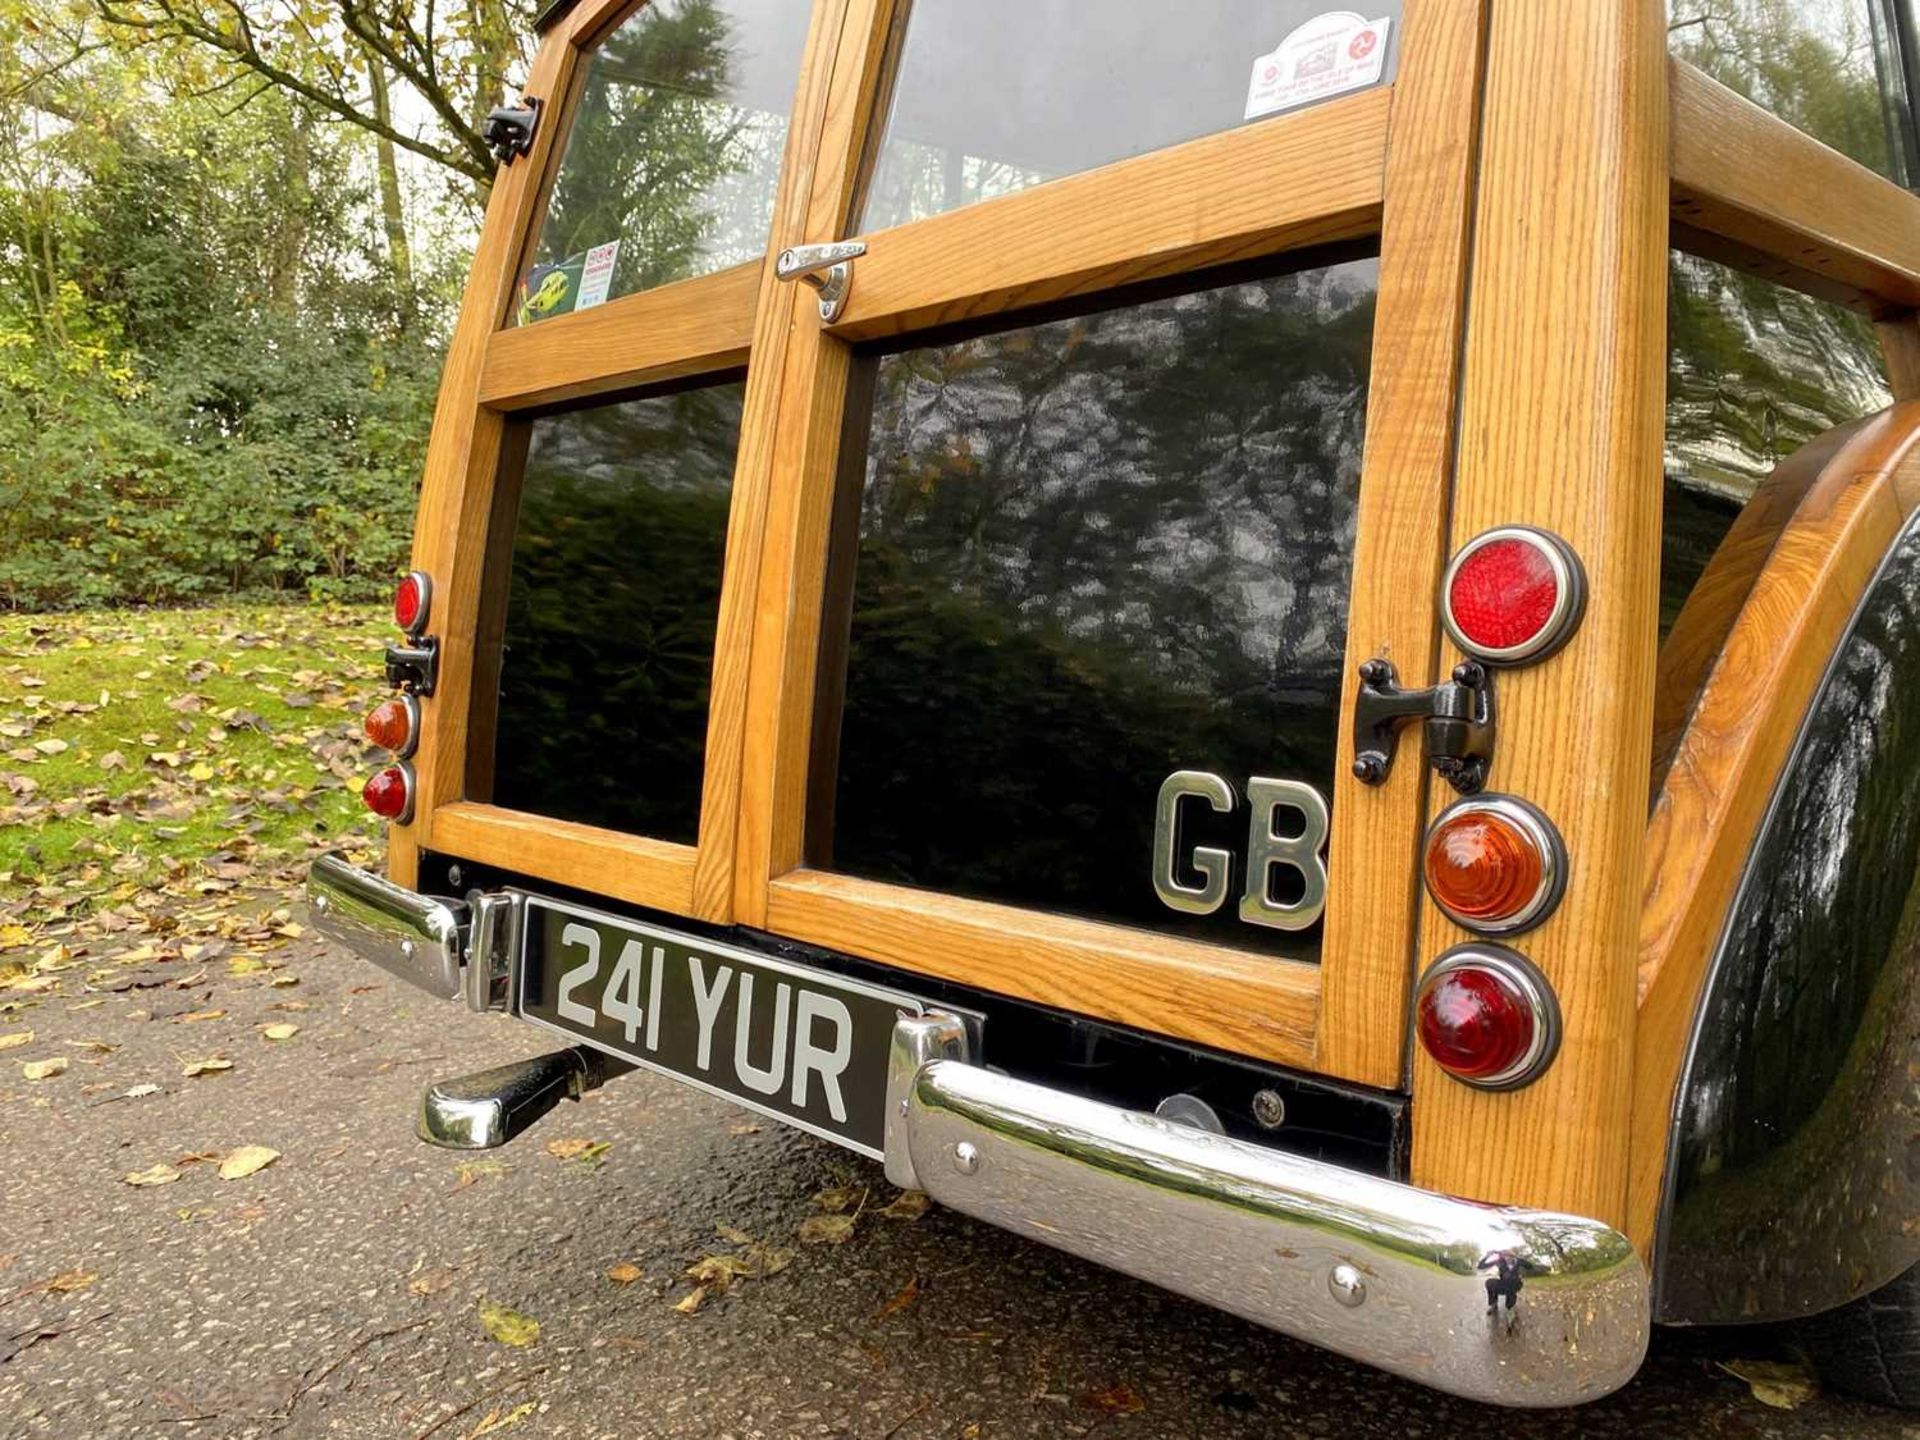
509,129
1457,716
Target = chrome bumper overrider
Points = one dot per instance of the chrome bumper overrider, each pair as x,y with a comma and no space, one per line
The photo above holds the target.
1496,1303
1394,1276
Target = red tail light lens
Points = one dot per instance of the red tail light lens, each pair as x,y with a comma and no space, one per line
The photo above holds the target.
411,600
1488,1017
390,794
1513,595
394,724
1495,864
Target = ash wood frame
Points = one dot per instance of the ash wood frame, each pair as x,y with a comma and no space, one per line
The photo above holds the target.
1396,161
1549,182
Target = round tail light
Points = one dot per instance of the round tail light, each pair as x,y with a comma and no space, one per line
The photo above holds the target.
412,599
390,794
394,724
1513,595
1488,1017
1495,864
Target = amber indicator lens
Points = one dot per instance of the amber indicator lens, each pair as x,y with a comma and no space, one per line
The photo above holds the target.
1513,595
410,603
1475,1024
1483,866
390,726
390,794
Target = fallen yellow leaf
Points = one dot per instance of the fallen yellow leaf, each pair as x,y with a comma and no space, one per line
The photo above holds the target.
1773,1382
430,1282
72,1280
498,1420
206,1067
282,1031
508,1325
625,1273
907,1205
45,1069
16,1039
732,1235
691,1302
840,1197
246,1160
826,1230
161,1174
193,1015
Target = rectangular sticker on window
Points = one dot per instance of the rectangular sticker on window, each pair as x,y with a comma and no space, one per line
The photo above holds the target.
596,275
1329,55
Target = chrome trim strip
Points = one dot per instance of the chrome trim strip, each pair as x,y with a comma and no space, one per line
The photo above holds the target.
1506,1305
415,938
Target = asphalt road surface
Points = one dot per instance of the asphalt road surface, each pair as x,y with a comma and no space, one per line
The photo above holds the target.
339,1291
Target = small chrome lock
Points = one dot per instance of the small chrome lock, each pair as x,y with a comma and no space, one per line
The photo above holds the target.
827,268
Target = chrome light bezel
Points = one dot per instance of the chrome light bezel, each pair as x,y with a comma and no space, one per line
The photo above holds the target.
1544,834
1570,596
425,583
1520,975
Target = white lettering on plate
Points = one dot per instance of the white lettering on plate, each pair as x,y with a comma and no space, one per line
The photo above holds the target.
828,1064
596,275
1329,55
706,1005
769,1080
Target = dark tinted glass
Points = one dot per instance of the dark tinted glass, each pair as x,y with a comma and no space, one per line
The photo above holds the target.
1755,371
674,152
996,95
1841,70
1081,556
610,611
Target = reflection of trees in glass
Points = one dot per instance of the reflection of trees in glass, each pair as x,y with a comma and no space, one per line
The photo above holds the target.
1755,371
615,591
1094,552
661,157
1822,65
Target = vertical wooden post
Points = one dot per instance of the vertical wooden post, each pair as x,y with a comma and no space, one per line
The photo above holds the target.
1561,427
1900,343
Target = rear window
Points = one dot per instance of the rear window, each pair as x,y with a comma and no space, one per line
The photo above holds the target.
609,600
1075,557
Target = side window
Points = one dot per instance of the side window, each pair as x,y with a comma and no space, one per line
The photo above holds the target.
1755,371
673,152
1844,71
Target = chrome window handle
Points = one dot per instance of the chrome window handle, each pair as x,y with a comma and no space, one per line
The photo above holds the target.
827,268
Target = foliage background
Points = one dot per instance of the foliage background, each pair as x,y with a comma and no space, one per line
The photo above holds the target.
224,291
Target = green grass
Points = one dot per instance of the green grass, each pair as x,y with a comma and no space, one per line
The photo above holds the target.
189,749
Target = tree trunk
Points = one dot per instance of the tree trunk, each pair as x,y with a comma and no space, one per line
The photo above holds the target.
393,219
290,231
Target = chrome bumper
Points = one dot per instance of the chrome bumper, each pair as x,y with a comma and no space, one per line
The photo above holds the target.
1495,1303
1400,1278
415,938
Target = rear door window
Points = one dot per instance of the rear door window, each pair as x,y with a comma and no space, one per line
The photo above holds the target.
1075,557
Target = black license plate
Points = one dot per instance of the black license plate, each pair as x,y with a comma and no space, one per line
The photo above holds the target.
798,1044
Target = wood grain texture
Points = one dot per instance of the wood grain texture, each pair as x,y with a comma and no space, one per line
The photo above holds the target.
1561,427
1318,175
449,537
743,590
1367,954
1826,223
687,328
1900,344
1740,732
1244,1003
627,867
797,450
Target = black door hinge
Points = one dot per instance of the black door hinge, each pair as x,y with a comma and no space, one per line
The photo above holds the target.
509,129
414,666
1457,715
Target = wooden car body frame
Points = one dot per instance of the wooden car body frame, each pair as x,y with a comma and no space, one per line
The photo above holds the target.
1525,174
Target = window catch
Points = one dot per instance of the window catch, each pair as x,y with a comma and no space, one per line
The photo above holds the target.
1457,715
827,268
509,129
